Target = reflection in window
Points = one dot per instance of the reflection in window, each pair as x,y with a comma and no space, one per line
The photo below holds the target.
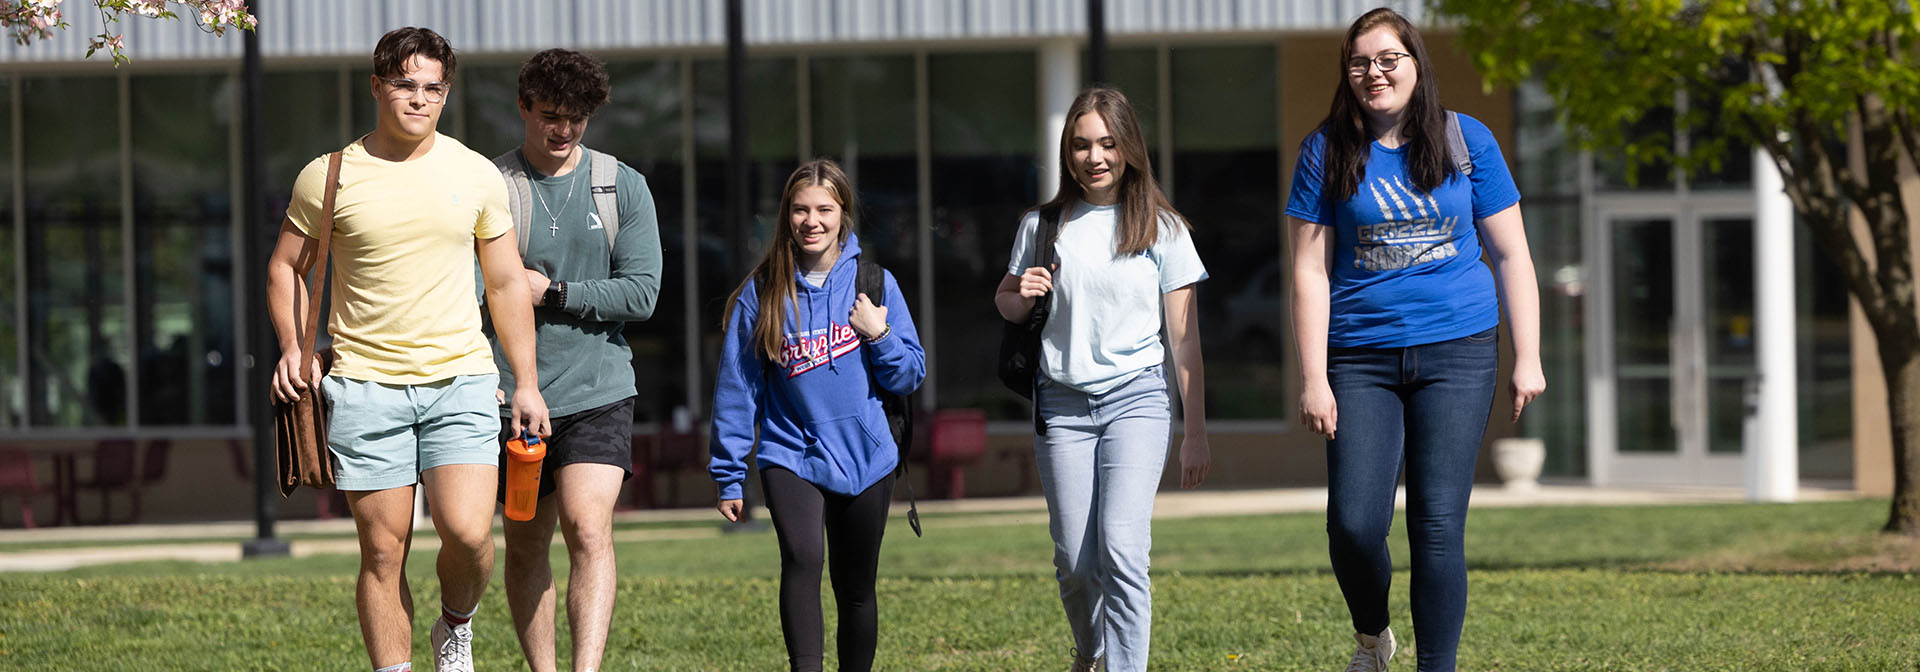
1825,360
1227,167
77,331
773,122
1136,73
863,117
1616,172
12,402
490,101
303,122
984,130
183,249
641,126
1549,178
1553,235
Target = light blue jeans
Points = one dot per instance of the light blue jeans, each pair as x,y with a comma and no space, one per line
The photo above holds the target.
1100,464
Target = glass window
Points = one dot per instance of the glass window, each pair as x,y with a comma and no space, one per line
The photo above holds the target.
1548,172
1227,183
1825,360
1135,72
12,402
489,99
773,121
1616,173
183,248
863,117
985,127
641,126
303,122
1547,158
76,300
1553,235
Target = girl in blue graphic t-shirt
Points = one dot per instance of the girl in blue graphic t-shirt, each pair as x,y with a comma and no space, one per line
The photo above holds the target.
1395,318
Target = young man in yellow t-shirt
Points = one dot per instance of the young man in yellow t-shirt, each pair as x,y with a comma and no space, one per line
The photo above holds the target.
412,386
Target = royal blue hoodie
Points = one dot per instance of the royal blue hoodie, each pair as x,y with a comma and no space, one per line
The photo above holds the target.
817,414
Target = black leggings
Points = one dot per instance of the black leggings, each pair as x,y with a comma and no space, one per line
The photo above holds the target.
854,526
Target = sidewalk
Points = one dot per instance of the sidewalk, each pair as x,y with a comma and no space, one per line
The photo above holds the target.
218,541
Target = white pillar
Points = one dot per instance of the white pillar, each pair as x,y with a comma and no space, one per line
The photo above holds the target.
1773,463
1059,83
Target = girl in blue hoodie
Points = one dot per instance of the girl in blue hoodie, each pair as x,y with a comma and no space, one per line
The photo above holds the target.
803,353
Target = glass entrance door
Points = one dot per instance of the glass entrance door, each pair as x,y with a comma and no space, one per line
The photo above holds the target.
1673,333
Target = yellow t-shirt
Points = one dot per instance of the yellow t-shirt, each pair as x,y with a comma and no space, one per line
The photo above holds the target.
403,309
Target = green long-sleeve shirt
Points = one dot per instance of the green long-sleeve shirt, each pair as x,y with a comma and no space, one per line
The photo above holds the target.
583,358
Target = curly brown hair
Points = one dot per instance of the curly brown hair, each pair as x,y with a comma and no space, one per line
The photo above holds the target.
573,82
399,46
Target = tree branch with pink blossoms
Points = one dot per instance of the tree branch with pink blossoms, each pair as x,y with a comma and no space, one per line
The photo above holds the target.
30,20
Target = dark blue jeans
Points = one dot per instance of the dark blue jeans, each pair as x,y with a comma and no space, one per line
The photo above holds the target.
1429,405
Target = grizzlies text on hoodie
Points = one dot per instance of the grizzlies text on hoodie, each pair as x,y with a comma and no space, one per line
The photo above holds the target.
815,411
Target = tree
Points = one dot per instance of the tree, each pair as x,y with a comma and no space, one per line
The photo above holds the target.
1829,88
31,20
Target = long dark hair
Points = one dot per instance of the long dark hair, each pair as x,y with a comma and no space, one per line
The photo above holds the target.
1422,124
1141,202
776,289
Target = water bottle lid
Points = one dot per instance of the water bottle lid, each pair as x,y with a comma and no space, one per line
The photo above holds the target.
527,436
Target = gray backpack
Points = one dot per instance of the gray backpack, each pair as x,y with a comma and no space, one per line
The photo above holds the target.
602,169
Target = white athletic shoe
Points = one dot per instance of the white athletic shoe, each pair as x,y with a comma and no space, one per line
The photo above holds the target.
1372,652
452,646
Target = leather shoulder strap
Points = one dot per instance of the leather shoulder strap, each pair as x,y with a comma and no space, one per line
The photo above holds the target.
317,273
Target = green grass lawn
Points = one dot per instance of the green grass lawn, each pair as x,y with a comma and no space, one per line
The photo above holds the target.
1726,587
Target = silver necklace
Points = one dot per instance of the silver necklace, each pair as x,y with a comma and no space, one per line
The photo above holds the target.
553,226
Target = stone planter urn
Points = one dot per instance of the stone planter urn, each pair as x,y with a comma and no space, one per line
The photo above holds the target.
1518,462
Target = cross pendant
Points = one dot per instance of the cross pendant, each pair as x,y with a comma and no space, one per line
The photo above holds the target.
553,230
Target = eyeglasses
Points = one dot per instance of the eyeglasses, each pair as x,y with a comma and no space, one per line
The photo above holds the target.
407,89
1387,62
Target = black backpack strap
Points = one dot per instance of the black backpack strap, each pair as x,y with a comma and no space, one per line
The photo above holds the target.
870,279
1043,256
1043,240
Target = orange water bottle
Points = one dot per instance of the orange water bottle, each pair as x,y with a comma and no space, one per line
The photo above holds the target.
524,455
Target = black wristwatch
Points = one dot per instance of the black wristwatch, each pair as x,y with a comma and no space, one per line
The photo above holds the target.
556,296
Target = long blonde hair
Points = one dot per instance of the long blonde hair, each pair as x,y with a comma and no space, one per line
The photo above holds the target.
775,272
1141,201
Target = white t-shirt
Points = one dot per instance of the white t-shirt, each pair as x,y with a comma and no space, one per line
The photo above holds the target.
1104,327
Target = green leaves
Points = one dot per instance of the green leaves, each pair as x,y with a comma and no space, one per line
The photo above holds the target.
1745,67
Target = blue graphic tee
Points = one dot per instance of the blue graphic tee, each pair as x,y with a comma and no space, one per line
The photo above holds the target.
1406,264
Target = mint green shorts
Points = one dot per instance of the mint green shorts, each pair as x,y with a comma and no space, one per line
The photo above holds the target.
383,436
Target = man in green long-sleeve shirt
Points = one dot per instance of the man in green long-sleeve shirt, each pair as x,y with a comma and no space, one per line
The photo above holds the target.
591,247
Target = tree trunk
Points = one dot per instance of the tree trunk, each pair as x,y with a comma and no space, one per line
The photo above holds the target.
1900,363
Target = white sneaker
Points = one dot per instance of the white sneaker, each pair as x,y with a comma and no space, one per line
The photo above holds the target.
1372,652
452,646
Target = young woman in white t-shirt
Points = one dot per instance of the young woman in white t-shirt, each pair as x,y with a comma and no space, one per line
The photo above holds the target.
1126,268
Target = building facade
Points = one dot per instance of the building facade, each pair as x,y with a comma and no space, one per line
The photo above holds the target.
124,313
